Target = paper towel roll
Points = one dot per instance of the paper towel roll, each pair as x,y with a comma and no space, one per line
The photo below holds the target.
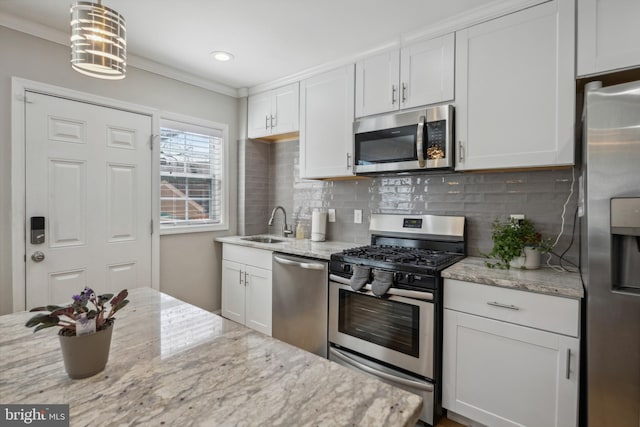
318,226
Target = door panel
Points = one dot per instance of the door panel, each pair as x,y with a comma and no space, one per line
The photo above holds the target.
88,172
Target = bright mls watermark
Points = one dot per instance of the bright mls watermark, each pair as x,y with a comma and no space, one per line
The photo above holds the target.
34,415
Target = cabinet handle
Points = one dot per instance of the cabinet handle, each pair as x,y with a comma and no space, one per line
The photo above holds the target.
568,370
393,94
246,279
272,119
241,280
460,152
348,161
404,93
498,304
266,122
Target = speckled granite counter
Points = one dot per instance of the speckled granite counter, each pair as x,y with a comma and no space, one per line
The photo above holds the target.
305,247
543,280
174,364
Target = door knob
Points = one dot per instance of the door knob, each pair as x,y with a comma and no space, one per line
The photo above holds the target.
37,256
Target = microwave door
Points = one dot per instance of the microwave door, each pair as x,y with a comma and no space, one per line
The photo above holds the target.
387,150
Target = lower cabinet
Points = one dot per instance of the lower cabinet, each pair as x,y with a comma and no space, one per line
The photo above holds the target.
500,373
246,286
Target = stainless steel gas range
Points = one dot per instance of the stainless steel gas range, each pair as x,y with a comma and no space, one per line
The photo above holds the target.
385,302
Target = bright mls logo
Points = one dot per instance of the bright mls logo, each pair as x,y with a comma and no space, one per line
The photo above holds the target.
34,415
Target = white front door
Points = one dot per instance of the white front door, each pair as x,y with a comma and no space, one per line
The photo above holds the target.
88,174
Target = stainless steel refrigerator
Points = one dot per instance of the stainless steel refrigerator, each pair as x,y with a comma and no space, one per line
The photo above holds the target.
611,255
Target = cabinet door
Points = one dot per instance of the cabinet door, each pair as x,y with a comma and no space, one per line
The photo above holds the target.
285,109
258,299
233,291
427,72
515,89
501,374
608,34
259,115
377,84
326,124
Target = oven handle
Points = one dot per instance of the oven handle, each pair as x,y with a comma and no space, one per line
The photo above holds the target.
424,296
402,381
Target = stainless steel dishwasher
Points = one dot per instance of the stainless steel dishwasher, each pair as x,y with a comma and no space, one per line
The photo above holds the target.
300,302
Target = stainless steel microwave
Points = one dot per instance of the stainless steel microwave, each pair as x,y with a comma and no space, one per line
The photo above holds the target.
418,140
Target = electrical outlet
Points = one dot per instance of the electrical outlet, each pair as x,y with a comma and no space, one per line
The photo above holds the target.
357,216
517,217
331,215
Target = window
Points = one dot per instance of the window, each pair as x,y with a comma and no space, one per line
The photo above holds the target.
193,187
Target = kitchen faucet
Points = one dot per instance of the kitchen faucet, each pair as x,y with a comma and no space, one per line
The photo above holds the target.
286,231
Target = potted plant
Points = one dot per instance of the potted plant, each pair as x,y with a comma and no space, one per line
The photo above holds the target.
85,329
516,243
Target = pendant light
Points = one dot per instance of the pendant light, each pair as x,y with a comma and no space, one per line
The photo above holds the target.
98,41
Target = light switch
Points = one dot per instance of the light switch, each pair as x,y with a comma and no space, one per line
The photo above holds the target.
357,216
331,215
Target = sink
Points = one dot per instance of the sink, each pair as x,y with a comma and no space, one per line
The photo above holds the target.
261,239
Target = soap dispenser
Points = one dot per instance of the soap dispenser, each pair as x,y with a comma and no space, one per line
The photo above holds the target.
299,231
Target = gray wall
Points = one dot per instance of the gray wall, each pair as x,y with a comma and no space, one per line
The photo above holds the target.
480,197
35,59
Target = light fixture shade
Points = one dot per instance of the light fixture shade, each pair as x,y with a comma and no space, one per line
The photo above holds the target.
98,41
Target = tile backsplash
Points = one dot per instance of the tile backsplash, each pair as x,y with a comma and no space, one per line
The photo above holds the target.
480,197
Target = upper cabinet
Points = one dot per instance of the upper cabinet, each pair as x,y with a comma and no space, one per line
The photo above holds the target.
273,113
326,124
419,74
515,89
608,34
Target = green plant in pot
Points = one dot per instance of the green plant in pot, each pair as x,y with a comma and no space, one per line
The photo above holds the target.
85,329
516,243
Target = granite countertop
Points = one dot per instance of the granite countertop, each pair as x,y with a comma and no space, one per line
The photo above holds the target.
543,280
304,247
172,363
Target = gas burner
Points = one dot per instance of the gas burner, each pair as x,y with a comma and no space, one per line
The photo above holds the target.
400,255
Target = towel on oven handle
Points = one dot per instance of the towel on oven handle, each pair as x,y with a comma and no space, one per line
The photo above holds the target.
382,281
360,277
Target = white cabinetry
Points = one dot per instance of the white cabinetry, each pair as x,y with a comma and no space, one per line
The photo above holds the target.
274,112
608,34
515,89
246,286
416,75
510,358
326,124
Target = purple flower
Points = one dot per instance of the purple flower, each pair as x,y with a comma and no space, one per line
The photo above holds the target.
77,298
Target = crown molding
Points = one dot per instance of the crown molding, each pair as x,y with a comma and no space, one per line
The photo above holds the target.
472,17
60,37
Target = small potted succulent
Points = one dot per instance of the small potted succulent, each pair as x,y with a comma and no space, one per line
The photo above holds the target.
85,329
516,243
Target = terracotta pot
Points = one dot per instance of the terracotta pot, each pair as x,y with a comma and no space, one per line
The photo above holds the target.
530,259
86,355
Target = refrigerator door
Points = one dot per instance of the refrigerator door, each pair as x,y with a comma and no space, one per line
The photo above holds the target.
612,137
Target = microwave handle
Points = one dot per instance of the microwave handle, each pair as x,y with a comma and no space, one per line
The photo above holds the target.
420,141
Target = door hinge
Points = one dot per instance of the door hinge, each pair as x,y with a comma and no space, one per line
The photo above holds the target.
151,139
151,227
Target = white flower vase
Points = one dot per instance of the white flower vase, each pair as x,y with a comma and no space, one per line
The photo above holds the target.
529,260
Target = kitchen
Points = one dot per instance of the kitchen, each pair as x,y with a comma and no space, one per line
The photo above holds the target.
185,261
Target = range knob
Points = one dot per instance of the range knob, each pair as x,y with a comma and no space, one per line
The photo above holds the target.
346,268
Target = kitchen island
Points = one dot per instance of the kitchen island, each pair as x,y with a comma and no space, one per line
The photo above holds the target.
172,363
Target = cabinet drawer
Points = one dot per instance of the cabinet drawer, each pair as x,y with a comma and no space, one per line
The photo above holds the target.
245,255
546,312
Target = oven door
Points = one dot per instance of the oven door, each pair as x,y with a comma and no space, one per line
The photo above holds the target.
398,330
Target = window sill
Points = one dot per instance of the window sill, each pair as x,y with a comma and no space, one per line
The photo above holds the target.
185,229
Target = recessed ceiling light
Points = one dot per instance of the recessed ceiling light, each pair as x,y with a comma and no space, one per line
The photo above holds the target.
222,56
